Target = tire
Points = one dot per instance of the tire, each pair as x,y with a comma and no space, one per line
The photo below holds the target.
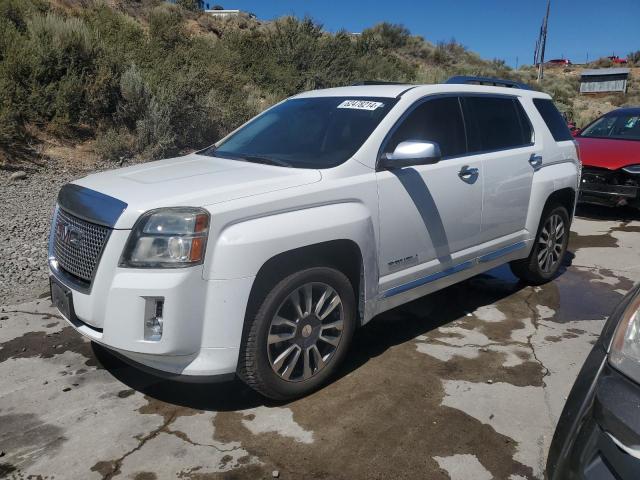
316,345
534,271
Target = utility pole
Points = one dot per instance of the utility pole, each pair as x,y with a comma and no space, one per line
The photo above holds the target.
542,43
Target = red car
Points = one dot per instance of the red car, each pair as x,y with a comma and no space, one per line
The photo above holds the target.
616,59
610,154
559,61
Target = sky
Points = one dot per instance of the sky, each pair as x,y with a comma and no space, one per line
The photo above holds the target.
503,29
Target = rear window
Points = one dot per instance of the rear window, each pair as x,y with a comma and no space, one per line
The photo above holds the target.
495,123
552,117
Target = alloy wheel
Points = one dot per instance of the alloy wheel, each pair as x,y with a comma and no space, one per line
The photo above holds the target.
551,241
305,332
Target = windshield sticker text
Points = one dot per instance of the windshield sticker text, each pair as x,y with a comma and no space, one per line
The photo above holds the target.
360,104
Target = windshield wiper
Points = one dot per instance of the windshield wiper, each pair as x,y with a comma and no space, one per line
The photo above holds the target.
212,152
265,160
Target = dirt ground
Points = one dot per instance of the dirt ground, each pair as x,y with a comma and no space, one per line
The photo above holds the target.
467,383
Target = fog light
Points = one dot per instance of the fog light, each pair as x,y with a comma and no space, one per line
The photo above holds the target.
153,319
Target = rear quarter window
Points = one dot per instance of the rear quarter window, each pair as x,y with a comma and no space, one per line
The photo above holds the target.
495,123
552,117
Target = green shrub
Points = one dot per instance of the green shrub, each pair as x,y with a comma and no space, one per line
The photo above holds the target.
115,144
135,97
191,5
154,135
166,26
385,36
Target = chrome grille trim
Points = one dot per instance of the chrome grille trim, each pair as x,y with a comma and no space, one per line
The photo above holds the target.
75,248
90,205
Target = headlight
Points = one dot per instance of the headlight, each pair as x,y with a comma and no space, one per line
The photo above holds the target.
167,238
633,169
625,348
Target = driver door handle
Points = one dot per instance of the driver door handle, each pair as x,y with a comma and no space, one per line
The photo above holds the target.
468,174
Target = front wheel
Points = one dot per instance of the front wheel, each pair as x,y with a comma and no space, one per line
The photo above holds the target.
550,246
299,334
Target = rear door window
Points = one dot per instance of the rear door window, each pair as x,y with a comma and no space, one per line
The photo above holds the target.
495,123
437,120
552,117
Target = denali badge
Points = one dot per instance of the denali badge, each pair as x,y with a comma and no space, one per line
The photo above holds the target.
68,234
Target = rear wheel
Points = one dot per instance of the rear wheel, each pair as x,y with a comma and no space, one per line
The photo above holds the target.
550,246
300,333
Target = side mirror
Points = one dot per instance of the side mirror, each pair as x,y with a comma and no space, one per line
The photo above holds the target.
412,152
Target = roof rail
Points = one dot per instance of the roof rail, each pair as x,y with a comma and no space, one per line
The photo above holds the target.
496,82
376,82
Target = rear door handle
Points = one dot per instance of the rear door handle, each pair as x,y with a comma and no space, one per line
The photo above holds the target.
535,161
468,174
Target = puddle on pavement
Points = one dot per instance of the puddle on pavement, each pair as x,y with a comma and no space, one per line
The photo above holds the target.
6,469
625,227
29,437
403,385
576,241
385,377
580,295
167,411
46,345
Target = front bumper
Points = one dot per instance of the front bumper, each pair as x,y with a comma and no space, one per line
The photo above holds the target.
202,319
606,187
598,435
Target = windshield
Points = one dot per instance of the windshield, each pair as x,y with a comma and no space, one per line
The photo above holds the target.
317,132
621,127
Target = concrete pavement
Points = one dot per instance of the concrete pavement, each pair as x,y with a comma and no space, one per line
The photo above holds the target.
467,383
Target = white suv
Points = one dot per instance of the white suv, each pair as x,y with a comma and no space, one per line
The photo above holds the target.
261,255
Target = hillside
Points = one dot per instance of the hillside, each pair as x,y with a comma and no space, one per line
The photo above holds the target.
121,81
563,84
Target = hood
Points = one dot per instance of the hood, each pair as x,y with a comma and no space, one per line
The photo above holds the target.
607,153
192,180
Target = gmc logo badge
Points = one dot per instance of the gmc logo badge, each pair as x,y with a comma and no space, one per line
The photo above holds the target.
68,234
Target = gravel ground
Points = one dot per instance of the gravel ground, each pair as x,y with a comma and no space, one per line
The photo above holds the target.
25,218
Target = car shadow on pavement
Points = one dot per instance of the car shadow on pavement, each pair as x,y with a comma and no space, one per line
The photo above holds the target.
395,327
406,322
599,212
223,396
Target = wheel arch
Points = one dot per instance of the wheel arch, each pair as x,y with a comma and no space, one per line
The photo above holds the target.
565,197
554,183
343,254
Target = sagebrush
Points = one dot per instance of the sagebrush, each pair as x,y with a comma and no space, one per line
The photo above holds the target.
148,79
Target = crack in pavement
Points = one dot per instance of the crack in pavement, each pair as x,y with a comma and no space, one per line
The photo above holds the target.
115,465
534,321
547,399
112,468
185,438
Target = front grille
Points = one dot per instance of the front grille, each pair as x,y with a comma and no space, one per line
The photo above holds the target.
597,175
603,176
78,244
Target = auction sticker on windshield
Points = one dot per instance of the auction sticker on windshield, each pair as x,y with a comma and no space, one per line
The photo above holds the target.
361,104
